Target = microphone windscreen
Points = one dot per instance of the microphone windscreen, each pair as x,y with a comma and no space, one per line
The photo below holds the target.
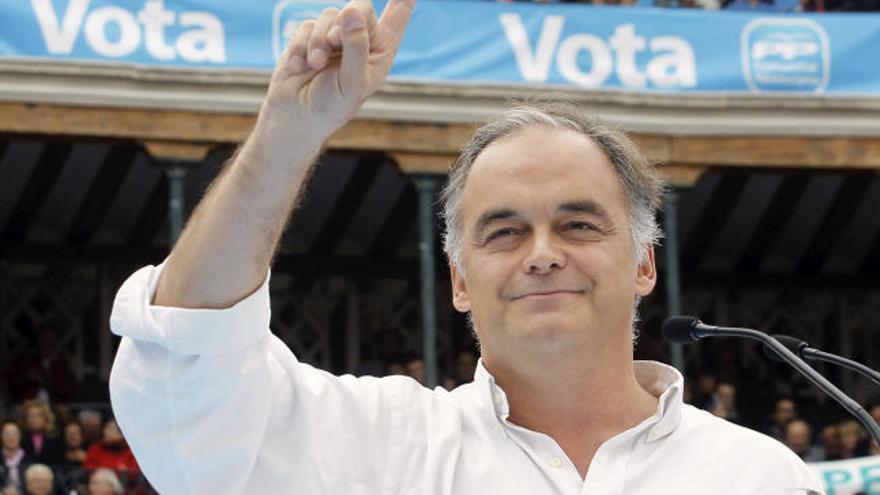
679,329
794,345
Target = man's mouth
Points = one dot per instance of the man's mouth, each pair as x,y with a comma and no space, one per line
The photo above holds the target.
546,293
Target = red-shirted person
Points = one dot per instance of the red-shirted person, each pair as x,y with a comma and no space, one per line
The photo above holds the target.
112,452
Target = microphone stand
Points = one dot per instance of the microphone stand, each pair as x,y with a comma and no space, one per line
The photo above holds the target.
700,330
817,355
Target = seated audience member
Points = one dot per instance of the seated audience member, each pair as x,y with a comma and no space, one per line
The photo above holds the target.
465,366
15,460
763,5
784,413
112,452
91,424
703,395
10,490
874,410
104,481
830,438
74,445
39,480
69,471
725,402
799,438
415,368
395,368
853,440
40,441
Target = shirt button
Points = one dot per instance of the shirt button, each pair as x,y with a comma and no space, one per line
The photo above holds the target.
554,462
498,399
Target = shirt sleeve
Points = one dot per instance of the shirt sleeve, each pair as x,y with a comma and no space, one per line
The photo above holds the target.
211,402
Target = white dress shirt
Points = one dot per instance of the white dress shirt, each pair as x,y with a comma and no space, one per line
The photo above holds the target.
212,403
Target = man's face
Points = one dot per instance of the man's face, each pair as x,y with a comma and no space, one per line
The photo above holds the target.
785,412
547,256
797,436
35,420
11,437
727,396
39,484
73,435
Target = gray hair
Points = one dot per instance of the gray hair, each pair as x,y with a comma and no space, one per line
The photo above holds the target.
38,469
110,477
642,184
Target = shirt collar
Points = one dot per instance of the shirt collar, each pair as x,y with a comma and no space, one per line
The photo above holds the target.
660,380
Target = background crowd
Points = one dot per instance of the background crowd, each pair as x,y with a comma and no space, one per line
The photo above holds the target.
754,5
50,447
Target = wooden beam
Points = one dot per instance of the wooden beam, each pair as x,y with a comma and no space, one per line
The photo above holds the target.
178,151
681,175
424,163
800,152
411,140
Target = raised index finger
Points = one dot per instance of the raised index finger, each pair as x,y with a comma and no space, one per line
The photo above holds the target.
394,19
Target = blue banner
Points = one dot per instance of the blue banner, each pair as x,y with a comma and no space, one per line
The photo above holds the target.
584,46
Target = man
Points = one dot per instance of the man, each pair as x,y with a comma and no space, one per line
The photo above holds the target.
38,480
725,399
550,231
784,412
799,438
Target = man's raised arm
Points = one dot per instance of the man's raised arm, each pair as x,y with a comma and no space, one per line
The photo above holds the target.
330,67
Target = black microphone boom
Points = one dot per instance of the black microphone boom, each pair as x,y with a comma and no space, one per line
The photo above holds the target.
803,350
685,329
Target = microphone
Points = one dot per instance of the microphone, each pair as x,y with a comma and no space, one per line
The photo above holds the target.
804,351
687,329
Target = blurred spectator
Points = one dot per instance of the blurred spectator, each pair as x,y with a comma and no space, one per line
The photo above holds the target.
39,480
40,442
395,368
725,402
762,5
112,452
784,413
830,438
415,368
874,410
15,460
704,395
853,440
104,481
799,438
465,366
91,424
74,444
10,490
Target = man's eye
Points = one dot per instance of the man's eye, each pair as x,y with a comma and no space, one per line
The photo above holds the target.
581,226
501,233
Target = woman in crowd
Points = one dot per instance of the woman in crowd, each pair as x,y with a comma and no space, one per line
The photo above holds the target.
40,441
15,460
853,440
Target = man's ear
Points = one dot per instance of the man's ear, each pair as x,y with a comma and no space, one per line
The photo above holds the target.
646,274
460,299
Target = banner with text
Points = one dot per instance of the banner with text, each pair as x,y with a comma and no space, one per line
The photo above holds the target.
850,477
584,46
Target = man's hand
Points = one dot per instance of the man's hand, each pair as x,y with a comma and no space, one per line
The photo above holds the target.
330,67
334,63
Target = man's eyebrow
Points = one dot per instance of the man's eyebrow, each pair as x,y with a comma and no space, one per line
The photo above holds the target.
493,216
588,207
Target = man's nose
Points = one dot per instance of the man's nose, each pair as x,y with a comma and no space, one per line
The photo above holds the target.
544,254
